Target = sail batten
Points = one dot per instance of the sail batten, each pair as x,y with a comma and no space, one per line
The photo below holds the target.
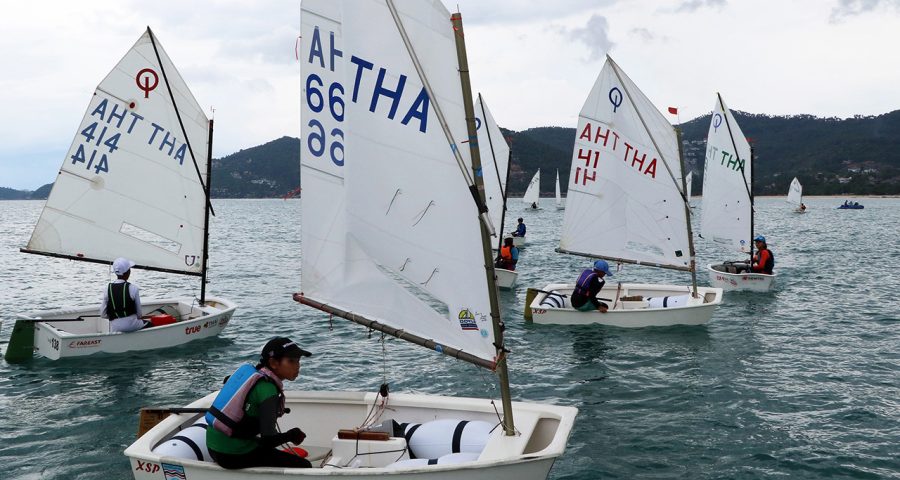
622,201
131,168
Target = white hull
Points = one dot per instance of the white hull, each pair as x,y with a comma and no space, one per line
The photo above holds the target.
630,314
799,210
747,282
519,242
506,279
544,431
56,340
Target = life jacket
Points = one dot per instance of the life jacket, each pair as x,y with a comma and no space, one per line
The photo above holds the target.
766,261
119,303
506,253
228,411
583,285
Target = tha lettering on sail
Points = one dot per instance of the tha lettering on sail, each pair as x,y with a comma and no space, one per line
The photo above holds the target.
384,91
111,121
726,159
611,144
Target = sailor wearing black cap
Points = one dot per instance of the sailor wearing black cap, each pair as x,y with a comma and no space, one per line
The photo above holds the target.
243,428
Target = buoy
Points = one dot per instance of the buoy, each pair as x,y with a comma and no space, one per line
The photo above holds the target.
668,302
442,437
189,444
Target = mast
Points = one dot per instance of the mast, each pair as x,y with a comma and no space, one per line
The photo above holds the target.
502,371
687,216
208,190
751,204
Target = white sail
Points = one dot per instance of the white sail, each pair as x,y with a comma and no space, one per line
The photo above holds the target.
623,200
726,181
132,182
558,195
533,192
390,230
795,193
494,161
689,180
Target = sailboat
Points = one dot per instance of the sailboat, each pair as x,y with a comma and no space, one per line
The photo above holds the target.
795,196
141,124
559,202
396,237
728,201
625,203
532,198
495,156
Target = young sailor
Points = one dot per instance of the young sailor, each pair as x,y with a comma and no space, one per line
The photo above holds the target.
122,300
243,430
520,228
509,255
763,260
589,284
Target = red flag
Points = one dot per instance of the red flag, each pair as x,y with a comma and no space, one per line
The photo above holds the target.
673,110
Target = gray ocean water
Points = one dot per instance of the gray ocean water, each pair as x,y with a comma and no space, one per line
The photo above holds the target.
803,382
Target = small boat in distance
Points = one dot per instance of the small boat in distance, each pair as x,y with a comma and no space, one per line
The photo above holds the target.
134,183
559,202
795,196
848,205
532,198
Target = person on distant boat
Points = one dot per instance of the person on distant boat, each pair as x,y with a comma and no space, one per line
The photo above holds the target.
846,202
763,260
243,430
122,300
534,205
589,284
520,229
802,207
509,255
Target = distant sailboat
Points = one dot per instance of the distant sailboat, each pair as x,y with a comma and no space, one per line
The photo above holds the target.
495,157
559,202
532,198
630,211
396,237
728,201
134,183
795,196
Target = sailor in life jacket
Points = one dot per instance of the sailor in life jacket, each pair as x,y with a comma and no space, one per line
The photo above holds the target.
589,284
763,259
509,255
520,229
122,300
243,431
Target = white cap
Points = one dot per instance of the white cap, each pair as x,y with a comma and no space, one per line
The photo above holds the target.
121,265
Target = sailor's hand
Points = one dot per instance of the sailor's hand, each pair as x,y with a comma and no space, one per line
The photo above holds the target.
296,435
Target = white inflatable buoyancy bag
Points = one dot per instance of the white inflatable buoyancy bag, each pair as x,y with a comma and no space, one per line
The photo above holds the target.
189,444
434,439
668,302
554,299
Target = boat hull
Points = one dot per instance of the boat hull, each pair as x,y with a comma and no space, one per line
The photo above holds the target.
55,340
720,277
544,431
851,207
629,314
518,242
506,279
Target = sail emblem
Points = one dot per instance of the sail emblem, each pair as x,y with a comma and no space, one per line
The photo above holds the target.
190,260
615,98
717,122
467,320
145,75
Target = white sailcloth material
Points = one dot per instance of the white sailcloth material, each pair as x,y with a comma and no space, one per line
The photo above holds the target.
558,195
128,185
689,181
622,201
726,181
795,193
494,161
390,230
533,192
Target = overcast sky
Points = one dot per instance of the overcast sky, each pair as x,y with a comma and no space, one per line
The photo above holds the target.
534,61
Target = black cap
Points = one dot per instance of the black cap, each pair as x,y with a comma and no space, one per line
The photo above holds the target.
280,347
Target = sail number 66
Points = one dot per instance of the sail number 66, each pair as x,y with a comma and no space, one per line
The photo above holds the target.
316,142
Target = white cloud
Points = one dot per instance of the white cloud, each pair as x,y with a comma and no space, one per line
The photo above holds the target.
595,35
